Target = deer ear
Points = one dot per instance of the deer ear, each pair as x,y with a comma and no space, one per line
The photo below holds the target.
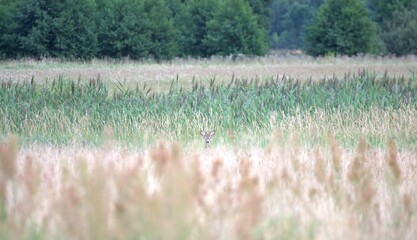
202,133
213,132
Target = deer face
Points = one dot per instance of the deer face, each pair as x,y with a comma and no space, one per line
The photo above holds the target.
207,136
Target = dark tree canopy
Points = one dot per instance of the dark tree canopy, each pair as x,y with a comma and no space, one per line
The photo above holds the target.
136,29
341,27
192,26
164,29
56,28
397,27
384,9
8,44
289,20
400,32
234,29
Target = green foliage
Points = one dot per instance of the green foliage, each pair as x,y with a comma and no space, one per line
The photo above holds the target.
136,29
32,25
197,27
162,33
175,6
234,29
288,21
191,23
341,27
164,29
8,43
56,29
397,25
65,110
83,29
75,30
384,9
400,32
262,11
107,25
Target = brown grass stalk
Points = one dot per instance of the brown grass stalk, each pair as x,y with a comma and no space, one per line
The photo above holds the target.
168,192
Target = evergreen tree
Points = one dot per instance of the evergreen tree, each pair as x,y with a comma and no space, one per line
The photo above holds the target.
341,27
235,29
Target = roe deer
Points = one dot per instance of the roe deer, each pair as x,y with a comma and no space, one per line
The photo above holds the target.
207,137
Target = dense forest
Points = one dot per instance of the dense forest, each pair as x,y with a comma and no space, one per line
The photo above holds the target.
164,29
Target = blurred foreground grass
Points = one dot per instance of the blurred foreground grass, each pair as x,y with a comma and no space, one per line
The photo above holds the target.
282,191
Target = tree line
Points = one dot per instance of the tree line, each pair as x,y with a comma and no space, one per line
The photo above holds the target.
164,29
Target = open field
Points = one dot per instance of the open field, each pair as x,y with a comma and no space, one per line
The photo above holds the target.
158,75
68,111
328,151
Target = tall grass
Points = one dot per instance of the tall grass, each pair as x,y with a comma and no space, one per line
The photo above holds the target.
68,111
284,191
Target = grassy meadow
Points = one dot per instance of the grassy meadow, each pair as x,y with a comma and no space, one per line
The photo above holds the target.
94,151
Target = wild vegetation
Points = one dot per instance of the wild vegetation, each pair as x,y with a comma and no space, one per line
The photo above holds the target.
93,158
70,111
283,191
336,17
111,148
165,29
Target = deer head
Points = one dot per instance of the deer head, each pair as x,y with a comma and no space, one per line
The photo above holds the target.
207,135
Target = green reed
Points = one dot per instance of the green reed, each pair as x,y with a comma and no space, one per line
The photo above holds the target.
77,111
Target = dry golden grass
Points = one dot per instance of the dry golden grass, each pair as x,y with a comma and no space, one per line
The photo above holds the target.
159,75
286,191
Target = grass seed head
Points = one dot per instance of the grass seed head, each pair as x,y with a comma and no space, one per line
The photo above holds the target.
336,153
357,171
392,158
408,203
216,167
319,167
8,153
295,151
160,156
